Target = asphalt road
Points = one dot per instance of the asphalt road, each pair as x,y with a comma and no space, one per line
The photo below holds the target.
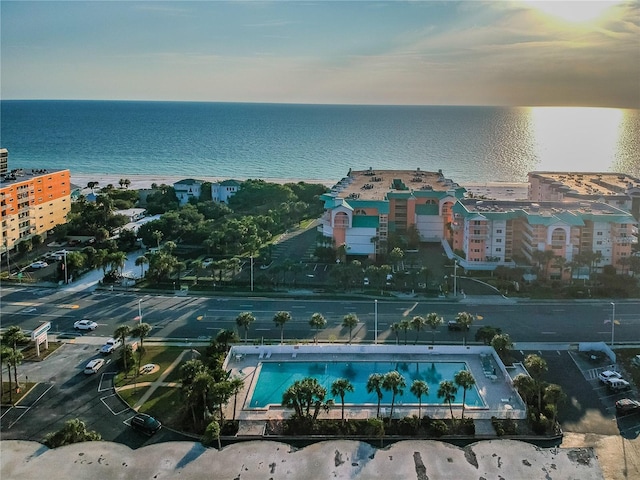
191,317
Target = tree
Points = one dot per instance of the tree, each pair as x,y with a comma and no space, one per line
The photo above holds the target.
141,261
536,366
553,396
211,433
374,384
395,328
526,387
349,321
11,337
235,384
121,333
417,323
405,325
447,391
434,321
395,383
117,261
502,344
73,431
317,321
244,320
157,235
396,255
280,318
304,394
419,388
339,388
464,379
5,357
464,321
486,333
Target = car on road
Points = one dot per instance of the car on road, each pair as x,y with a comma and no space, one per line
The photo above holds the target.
626,405
39,264
145,424
85,325
207,262
93,366
455,326
110,346
608,375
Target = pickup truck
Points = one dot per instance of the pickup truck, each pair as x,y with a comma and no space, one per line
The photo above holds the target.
110,346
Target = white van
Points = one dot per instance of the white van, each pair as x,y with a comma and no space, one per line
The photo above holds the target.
618,385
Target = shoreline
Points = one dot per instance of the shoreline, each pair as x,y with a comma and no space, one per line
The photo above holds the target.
493,190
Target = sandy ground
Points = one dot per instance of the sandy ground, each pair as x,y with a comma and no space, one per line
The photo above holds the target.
342,459
490,190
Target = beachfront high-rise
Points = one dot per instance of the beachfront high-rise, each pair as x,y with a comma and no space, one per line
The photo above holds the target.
32,202
366,206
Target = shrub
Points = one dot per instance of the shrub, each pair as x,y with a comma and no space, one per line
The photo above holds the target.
438,428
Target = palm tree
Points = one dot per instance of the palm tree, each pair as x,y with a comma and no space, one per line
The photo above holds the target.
73,431
339,388
447,391
536,366
212,432
405,325
434,321
394,382
526,387
117,261
349,321
141,262
243,321
121,333
236,384
553,396
502,344
464,320
419,388
196,265
395,328
11,337
5,357
280,318
317,321
374,384
157,236
417,323
465,380
141,330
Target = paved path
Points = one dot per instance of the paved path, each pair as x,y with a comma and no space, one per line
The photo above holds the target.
160,382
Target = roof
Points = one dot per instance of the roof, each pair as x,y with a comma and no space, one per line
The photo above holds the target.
189,181
230,183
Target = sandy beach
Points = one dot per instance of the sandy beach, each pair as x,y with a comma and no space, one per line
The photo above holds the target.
490,190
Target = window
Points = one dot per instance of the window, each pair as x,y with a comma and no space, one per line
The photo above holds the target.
599,234
498,249
599,242
498,240
499,230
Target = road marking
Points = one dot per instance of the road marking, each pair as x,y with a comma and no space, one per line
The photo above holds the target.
30,406
409,310
548,333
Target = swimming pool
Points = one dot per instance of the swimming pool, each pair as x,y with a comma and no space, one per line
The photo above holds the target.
275,377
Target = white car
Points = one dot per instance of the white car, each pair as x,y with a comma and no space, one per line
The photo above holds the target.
110,346
39,264
93,366
85,325
207,262
608,375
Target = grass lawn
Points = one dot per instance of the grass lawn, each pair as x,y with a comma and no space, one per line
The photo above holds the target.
165,404
16,396
29,351
160,355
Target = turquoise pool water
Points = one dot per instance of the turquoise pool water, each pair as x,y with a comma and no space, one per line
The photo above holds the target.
274,378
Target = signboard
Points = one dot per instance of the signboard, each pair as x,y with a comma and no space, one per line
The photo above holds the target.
42,329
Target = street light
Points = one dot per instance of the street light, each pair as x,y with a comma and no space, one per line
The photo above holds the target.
375,316
139,311
66,275
251,272
455,278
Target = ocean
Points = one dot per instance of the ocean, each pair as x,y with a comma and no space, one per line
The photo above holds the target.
316,142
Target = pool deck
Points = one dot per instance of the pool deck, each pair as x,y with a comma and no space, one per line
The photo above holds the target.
492,379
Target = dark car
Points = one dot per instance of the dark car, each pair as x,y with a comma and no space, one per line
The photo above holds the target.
145,424
455,326
626,405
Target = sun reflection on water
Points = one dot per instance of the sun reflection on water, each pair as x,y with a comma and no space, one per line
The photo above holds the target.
576,138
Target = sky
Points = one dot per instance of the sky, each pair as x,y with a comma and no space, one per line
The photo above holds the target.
569,53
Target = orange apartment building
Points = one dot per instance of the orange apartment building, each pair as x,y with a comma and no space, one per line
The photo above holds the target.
32,202
499,232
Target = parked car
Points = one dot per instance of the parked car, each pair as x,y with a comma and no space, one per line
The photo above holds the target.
85,325
618,385
110,346
207,262
608,375
636,361
145,423
626,405
39,264
93,366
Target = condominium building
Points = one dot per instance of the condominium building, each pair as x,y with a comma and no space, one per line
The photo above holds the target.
616,189
492,233
4,159
32,202
366,206
187,189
